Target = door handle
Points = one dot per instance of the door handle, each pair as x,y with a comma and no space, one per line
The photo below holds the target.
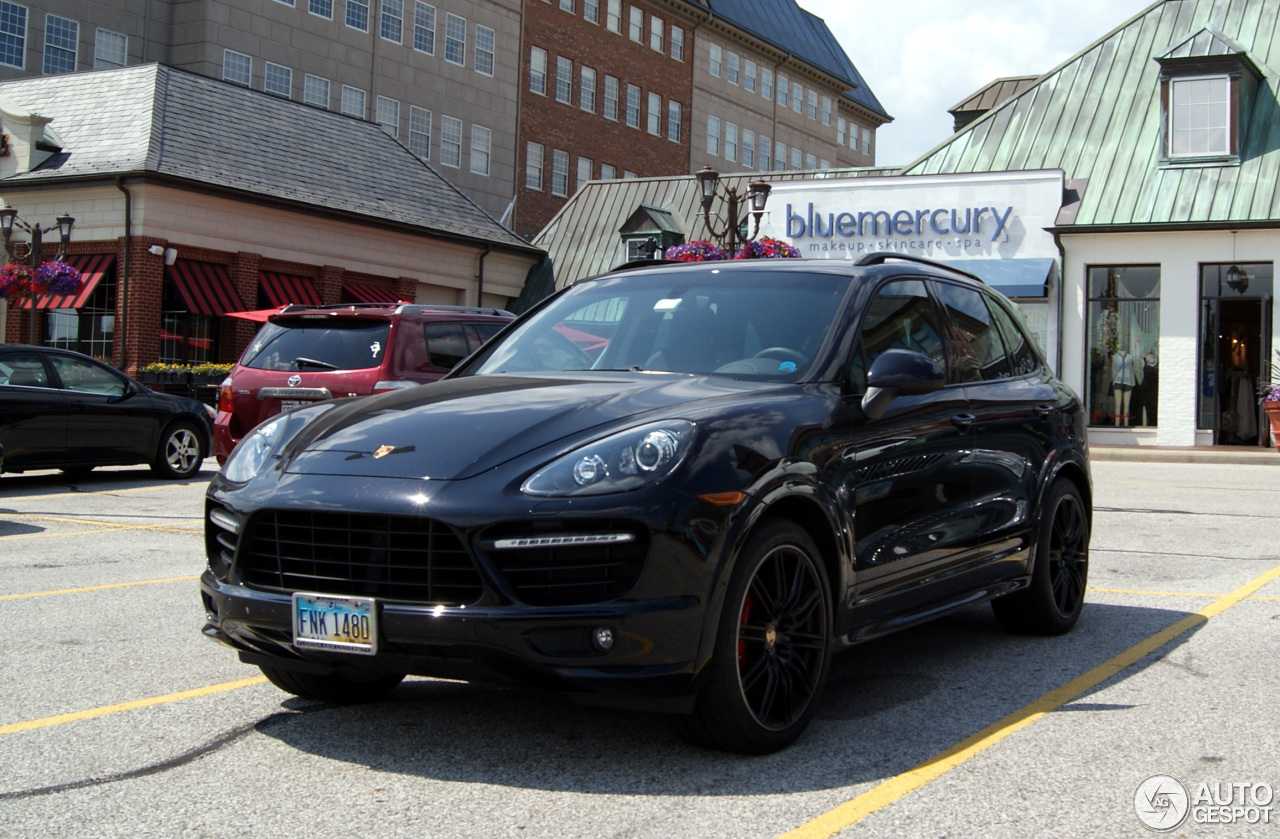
1045,410
963,421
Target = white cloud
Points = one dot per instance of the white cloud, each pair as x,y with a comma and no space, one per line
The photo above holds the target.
923,57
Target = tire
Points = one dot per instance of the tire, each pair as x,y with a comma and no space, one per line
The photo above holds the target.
333,687
181,451
772,650
1051,605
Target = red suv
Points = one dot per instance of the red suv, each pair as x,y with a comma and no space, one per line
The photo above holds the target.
306,354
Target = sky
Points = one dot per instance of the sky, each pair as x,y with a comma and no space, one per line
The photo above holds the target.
922,57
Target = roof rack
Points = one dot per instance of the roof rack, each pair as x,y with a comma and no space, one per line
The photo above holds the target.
881,257
413,308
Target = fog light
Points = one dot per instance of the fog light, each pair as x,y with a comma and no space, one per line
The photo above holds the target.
602,637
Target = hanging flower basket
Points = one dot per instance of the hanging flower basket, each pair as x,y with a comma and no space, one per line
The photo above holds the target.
699,250
768,248
20,282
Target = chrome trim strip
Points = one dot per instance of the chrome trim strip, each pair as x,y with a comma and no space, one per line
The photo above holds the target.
572,540
224,520
313,393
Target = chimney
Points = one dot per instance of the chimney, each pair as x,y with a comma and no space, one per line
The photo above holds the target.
25,144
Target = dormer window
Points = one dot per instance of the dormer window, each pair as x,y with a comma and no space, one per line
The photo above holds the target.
1208,88
1200,117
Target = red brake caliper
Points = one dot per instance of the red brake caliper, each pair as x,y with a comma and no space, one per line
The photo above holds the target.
747,606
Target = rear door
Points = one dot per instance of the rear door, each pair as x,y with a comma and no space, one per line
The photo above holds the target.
33,413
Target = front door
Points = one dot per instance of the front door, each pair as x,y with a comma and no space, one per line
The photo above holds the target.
1235,347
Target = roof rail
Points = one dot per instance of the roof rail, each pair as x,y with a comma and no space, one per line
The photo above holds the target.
413,308
643,263
881,257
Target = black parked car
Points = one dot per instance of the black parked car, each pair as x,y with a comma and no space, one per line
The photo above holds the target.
63,410
676,488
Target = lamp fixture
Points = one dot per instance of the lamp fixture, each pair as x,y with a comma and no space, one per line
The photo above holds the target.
1237,277
733,232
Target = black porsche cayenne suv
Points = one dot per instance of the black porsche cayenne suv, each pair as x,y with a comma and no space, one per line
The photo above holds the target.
677,487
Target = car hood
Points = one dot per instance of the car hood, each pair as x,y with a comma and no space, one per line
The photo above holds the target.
459,428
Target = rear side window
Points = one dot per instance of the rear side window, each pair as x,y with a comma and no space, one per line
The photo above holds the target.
446,344
901,316
977,350
23,370
297,346
1022,352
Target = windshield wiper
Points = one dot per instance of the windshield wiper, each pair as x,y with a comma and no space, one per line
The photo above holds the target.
311,362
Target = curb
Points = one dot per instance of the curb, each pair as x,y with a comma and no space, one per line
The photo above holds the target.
1230,455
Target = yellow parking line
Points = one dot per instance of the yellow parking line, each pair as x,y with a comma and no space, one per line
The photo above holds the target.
890,791
97,588
1274,488
103,527
30,725
87,493
1172,593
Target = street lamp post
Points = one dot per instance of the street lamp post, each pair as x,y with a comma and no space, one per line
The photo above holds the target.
729,235
34,256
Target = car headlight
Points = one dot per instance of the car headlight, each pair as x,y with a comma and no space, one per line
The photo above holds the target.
624,461
257,448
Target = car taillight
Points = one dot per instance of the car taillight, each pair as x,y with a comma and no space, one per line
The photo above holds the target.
224,395
384,386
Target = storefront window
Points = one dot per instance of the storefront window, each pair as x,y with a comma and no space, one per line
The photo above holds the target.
185,338
1235,337
1123,345
89,329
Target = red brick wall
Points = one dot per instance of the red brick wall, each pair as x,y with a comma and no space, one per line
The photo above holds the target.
557,125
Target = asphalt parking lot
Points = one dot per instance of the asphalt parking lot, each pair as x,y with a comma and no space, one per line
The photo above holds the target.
122,720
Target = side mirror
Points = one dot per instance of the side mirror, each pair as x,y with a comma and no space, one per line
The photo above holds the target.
899,373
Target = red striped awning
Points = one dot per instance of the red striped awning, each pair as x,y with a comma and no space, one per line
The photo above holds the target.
283,289
205,287
370,293
92,267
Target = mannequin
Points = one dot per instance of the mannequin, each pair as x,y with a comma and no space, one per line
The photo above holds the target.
1123,381
1150,385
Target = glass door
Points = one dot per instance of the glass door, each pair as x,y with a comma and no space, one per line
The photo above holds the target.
1235,347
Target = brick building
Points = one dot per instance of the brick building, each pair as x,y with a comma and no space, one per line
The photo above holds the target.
194,198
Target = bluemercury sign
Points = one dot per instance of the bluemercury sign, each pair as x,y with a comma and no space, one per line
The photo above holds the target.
986,216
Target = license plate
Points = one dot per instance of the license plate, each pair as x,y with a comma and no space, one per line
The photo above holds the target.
287,405
341,624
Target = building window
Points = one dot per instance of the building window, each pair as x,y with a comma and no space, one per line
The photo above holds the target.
236,67
587,90
810,162
424,28
533,166
673,121
840,129
584,171
566,6
610,98
110,49
780,157
315,91
796,159
749,76
481,143
766,83
655,114
13,34
730,141
358,14
748,149
455,40
614,16
564,80
797,97
811,107
1124,325
1199,116
352,101
627,174
608,172
656,30
866,141
61,39
784,90
731,68
486,40
386,112
560,173
321,8
826,110
633,106
677,43
538,71
714,60
450,141
824,164
766,153
392,26
277,79
636,29
713,135
420,132
591,11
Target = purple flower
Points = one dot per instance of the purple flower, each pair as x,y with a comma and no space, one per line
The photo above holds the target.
56,278
699,250
768,248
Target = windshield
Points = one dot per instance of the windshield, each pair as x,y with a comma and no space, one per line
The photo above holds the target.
318,345
758,324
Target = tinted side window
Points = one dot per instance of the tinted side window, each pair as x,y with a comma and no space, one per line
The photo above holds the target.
24,370
446,344
1022,353
977,351
88,378
900,316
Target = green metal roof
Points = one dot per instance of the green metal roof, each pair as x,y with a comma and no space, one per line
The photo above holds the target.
1098,118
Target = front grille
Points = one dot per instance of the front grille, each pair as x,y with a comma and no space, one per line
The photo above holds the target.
393,557
567,574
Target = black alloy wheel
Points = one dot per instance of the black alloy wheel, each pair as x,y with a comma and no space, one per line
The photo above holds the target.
772,650
1051,605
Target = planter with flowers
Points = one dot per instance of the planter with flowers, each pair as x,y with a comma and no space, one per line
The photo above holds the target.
1269,396
19,281
701,250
